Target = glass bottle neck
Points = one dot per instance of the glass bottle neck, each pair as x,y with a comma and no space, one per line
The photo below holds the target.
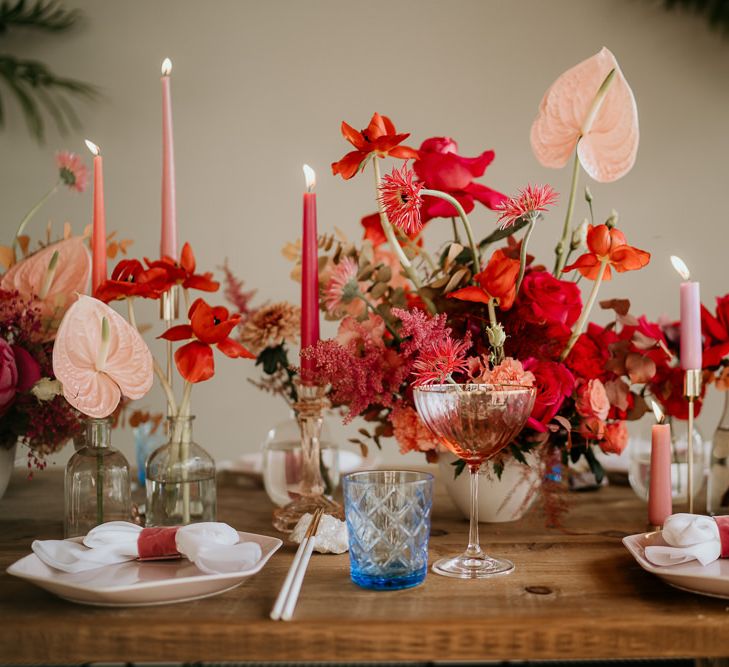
179,429
98,432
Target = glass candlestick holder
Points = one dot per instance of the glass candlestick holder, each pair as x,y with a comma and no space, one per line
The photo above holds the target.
310,494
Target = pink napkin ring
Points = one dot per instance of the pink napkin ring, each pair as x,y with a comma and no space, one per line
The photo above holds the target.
723,523
158,543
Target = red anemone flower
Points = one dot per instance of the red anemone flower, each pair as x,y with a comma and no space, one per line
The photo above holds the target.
716,332
380,138
184,272
208,326
496,281
129,279
608,244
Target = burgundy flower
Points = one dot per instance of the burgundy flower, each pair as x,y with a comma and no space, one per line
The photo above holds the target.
440,167
8,375
554,384
29,371
544,299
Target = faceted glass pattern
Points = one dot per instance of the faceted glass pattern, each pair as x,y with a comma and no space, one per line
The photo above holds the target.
388,521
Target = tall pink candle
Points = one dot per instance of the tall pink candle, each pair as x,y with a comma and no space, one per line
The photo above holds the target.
168,240
659,493
309,273
690,326
98,233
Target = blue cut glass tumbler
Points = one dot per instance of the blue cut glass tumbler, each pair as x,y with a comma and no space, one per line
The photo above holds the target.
388,520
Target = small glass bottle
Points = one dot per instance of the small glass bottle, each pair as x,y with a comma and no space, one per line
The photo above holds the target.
97,487
180,479
717,495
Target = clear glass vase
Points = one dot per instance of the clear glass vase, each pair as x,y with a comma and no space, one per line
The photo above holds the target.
717,494
180,479
97,482
283,461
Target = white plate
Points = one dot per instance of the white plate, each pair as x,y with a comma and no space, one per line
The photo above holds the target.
139,584
711,579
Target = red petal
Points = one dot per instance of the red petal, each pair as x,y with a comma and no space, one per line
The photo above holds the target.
388,125
203,282
187,259
233,349
709,324
433,207
403,152
379,126
488,197
195,362
348,165
627,258
179,332
353,137
471,293
714,355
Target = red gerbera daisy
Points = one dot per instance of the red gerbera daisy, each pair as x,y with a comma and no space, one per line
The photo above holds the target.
400,197
440,361
528,203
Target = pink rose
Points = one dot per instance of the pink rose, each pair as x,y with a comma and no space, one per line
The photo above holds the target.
592,428
592,400
8,375
616,438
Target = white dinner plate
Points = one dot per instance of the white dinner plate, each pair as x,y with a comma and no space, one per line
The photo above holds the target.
711,579
139,584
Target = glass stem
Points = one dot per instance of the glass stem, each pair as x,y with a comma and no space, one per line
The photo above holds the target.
311,481
474,548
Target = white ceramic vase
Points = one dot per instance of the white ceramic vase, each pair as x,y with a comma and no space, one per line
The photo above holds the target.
499,500
7,463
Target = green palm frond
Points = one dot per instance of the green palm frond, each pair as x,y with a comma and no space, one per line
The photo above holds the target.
48,15
716,12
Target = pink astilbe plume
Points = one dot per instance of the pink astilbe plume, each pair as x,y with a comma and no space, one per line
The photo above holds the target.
528,203
343,287
440,361
72,171
235,294
400,196
419,330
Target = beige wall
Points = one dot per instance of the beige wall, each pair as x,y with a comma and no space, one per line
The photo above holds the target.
261,87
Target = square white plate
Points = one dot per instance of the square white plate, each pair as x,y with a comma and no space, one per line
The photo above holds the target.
711,579
139,584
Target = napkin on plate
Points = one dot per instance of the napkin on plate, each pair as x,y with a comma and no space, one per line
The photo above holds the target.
691,537
215,548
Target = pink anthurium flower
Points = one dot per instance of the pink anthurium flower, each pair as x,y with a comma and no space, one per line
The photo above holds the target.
53,276
99,357
601,121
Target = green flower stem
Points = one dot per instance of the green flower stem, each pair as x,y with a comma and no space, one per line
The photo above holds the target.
371,308
464,218
412,244
523,254
561,249
32,212
580,324
395,245
183,449
456,235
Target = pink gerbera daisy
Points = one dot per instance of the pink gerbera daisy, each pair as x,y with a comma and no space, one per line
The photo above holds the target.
400,197
72,170
527,204
440,361
343,286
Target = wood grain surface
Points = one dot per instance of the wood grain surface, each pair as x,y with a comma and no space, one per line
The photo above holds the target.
575,594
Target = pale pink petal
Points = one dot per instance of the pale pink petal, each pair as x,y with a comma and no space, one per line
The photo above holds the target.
71,276
128,369
608,149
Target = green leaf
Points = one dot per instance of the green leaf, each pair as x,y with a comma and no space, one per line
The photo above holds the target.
499,469
595,465
459,466
500,234
49,16
517,453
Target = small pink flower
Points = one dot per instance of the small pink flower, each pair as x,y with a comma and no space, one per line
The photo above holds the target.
410,432
72,170
616,438
400,197
530,201
509,371
343,286
441,360
592,400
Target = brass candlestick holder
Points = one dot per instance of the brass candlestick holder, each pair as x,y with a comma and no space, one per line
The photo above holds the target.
311,404
691,390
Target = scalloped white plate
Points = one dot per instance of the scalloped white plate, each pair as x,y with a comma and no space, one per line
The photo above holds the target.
711,579
139,584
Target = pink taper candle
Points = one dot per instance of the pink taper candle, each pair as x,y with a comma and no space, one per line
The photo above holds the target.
309,273
98,233
691,347
168,242
659,493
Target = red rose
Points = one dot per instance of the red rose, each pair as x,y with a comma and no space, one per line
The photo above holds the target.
616,438
554,383
440,167
590,354
28,368
8,375
667,387
544,299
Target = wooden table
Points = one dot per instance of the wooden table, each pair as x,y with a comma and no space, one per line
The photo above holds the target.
575,595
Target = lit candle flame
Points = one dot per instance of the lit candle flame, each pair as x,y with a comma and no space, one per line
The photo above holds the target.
310,176
166,67
658,412
681,267
95,150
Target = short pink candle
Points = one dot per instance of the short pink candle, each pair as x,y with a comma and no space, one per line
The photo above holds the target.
690,326
168,239
98,230
660,504
309,274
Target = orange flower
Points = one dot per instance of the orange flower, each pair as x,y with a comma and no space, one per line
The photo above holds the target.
379,138
608,244
496,281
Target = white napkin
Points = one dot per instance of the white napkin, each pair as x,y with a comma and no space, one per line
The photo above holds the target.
215,548
690,537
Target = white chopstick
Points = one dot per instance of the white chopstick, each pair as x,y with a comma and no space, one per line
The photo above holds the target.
283,609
